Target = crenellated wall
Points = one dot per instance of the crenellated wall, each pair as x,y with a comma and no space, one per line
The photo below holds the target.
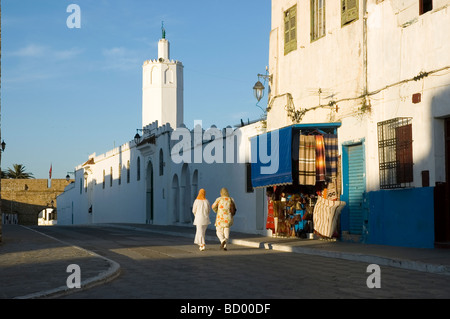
27,197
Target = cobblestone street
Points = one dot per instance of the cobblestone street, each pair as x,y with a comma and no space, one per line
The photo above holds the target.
161,266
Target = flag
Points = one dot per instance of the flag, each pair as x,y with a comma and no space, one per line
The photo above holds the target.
50,172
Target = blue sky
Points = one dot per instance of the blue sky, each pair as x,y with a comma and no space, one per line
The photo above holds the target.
67,93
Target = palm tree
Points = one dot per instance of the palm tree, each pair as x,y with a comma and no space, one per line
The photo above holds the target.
18,172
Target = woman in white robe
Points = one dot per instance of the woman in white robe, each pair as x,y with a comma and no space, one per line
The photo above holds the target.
200,209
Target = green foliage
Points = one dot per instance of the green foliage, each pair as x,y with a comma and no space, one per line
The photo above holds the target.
17,172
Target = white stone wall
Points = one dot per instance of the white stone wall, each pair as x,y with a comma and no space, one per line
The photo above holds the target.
398,44
173,192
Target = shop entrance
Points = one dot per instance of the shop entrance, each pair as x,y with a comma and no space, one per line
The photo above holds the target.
303,192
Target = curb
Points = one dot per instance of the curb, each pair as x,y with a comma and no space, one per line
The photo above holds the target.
108,275
369,259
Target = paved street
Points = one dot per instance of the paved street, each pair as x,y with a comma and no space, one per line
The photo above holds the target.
161,266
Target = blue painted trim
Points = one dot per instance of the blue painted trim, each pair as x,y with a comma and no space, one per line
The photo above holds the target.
401,217
317,125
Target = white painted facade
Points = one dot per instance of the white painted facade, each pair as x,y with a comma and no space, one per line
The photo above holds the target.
385,60
367,68
47,217
141,183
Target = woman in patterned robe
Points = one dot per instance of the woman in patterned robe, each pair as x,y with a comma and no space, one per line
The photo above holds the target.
224,219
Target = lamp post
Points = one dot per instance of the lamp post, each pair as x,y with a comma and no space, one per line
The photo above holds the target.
137,137
68,176
258,88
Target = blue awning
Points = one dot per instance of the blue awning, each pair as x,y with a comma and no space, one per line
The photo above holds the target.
272,157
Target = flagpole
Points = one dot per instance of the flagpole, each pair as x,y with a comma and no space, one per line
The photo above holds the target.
50,176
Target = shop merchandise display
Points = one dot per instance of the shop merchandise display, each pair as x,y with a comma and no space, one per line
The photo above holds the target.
290,214
312,205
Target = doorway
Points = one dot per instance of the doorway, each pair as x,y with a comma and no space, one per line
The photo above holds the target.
442,198
175,200
149,195
185,195
354,186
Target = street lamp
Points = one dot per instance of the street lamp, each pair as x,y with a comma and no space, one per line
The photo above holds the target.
258,88
3,146
68,176
137,138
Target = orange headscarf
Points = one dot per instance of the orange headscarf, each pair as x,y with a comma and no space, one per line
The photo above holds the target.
201,194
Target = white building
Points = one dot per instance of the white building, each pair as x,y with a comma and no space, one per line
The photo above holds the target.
47,217
380,70
139,181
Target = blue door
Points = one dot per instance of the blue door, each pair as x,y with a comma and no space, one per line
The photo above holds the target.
354,186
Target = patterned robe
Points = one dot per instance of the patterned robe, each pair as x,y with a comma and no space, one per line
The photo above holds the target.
221,206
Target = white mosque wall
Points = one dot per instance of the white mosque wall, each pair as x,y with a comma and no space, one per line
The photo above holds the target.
96,197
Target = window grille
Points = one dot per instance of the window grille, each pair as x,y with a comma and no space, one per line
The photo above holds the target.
395,153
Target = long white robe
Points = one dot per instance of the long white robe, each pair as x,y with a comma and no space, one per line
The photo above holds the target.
201,210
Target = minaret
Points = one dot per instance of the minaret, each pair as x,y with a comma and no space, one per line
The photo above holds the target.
162,88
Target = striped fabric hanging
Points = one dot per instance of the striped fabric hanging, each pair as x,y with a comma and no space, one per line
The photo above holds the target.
331,154
307,160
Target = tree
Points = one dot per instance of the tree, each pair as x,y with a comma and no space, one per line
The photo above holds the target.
18,172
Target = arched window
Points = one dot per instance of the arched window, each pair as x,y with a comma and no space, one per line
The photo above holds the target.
103,179
120,174
128,171
138,168
110,178
161,162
